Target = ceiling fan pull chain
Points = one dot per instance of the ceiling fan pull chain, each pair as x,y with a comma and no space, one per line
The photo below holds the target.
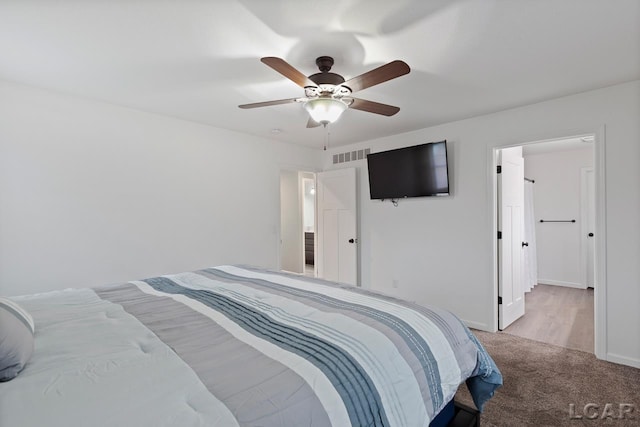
326,138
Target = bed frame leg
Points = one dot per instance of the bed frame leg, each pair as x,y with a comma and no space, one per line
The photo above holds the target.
465,416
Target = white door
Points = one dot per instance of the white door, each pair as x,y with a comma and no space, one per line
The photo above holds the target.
337,241
589,225
510,225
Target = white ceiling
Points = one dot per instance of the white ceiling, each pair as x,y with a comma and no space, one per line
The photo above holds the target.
197,59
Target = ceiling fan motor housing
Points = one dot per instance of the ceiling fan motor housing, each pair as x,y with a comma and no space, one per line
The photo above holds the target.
324,77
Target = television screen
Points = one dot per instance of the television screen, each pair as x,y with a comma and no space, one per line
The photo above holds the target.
415,171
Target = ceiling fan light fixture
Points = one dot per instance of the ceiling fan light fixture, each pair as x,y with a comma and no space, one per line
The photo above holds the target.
325,110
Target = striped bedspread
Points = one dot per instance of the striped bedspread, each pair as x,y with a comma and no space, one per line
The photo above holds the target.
266,348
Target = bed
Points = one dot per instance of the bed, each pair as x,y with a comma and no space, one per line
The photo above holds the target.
241,346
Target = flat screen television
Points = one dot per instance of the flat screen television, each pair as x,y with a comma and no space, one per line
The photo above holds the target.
416,171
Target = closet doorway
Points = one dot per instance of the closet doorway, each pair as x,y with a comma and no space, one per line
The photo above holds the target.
297,222
556,254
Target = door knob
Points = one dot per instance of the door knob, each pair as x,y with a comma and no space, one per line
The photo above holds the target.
590,234
352,240
525,244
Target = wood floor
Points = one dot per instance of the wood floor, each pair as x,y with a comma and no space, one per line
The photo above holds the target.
557,315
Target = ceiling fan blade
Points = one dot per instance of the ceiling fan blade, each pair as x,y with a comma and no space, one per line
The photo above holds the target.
283,67
378,75
268,103
312,123
374,107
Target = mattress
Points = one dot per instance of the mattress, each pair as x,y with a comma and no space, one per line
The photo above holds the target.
241,346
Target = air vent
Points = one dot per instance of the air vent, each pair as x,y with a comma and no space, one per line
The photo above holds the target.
351,156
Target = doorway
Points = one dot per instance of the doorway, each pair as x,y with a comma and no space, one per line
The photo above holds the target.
560,306
318,227
309,223
297,222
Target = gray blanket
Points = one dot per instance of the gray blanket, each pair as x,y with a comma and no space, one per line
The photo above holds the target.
241,346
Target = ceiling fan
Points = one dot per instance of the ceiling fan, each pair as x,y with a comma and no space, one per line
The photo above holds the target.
328,95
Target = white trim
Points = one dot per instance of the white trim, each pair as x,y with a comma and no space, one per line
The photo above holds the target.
600,253
301,218
278,227
316,237
623,360
561,283
492,184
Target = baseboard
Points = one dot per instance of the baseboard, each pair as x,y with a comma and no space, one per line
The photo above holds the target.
476,325
623,360
561,283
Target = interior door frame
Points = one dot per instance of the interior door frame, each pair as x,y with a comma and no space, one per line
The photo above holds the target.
278,228
600,253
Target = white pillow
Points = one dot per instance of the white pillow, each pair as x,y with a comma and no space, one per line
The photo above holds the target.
16,338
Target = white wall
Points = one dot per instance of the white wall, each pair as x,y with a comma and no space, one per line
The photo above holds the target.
92,193
441,249
556,195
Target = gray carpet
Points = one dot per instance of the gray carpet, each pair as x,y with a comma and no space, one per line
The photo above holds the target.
541,381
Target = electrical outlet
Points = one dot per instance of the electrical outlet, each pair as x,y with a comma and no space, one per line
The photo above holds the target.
395,283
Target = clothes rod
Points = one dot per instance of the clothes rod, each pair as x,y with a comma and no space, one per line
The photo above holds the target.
557,220
530,180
